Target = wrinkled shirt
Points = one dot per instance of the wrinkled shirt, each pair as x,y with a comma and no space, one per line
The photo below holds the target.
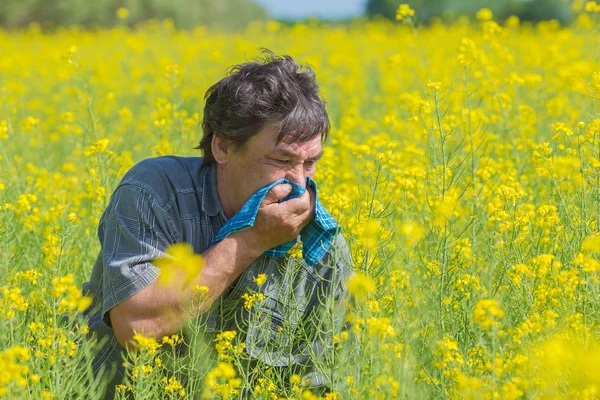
165,200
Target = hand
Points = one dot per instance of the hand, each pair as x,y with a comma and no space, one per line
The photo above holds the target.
278,223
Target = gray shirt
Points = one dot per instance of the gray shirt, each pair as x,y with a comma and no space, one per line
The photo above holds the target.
165,200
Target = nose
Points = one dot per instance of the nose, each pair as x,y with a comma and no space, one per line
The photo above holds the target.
296,175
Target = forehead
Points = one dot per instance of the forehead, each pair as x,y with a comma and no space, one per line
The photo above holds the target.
309,147
268,138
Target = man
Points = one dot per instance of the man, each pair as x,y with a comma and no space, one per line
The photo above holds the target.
263,122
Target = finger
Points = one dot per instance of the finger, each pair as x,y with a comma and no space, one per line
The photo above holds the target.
309,197
298,205
313,198
278,192
311,209
307,216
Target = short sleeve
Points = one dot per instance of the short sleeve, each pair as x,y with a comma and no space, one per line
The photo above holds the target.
135,229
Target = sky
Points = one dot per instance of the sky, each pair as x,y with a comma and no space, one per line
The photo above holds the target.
316,8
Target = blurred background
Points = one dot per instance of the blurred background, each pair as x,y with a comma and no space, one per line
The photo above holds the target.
237,14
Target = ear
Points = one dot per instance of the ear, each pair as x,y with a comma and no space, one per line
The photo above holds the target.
221,150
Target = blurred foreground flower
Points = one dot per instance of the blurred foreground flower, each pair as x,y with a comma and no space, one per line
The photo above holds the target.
591,244
565,366
222,381
361,286
412,232
180,261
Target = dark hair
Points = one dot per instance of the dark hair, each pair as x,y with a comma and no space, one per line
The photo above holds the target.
272,90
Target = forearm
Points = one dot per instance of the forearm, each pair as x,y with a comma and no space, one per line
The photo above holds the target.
223,263
160,310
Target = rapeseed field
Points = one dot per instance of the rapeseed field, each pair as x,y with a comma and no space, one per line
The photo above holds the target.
463,167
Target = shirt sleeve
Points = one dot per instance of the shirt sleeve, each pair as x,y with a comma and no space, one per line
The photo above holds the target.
135,230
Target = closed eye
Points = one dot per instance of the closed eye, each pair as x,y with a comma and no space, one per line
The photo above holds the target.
307,163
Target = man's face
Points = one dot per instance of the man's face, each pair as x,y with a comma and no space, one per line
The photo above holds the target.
264,161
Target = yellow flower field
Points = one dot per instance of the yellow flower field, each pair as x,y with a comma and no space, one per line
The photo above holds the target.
463,166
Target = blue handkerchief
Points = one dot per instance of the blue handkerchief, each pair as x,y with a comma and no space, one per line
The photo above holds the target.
317,236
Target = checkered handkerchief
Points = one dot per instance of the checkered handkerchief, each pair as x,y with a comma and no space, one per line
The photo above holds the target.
316,237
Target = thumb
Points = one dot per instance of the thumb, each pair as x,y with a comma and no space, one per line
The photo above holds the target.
278,192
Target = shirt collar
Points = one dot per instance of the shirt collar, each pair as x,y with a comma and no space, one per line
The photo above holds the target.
211,205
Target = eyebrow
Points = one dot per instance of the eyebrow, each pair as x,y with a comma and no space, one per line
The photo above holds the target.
287,153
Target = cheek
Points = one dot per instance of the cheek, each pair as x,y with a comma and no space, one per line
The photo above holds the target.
268,172
275,174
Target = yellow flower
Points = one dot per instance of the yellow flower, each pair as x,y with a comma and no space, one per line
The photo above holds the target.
180,258
260,279
173,386
413,232
251,299
122,13
123,388
98,147
380,327
72,217
435,86
83,303
172,340
371,231
591,244
200,291
273,26
296,250
30,123
69,54
13,369
592,7
404,11
222,381
565,365
485,14
171,70
69,294
486,314
3,130
361,286
148,343
46,395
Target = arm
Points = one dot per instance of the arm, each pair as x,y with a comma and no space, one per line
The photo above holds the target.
159,311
